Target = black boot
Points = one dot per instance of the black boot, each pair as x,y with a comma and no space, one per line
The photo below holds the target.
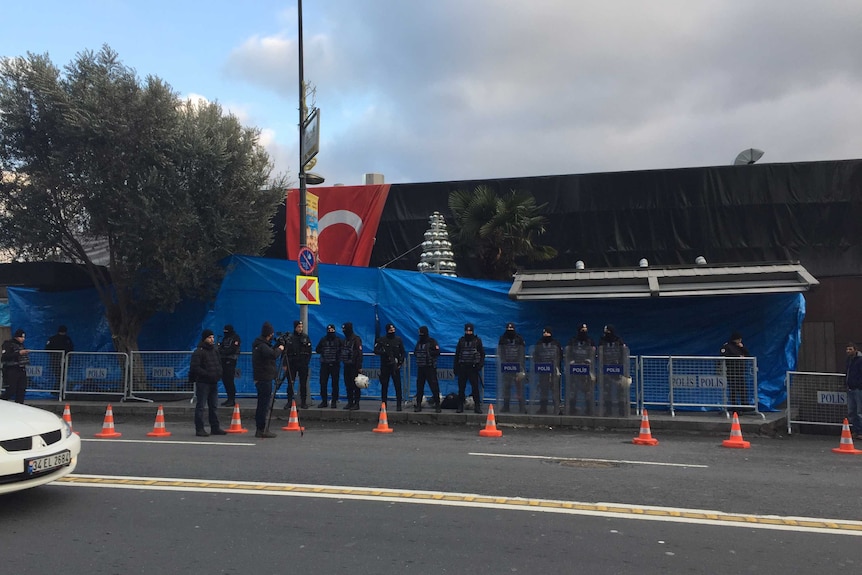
398,406
460,408
437,407
418,407
323,403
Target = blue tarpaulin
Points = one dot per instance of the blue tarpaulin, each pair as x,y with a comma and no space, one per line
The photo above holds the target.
255,290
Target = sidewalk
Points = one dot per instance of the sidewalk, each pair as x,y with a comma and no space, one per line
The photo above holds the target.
771,424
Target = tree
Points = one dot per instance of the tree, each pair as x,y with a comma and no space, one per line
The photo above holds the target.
501,232
95,154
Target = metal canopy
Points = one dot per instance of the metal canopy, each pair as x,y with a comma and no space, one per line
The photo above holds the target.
674,281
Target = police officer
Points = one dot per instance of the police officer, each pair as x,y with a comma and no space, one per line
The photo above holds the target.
228,350
426,353
581,374
469,361
546,358
390,348
329,350
351,358
297,355
14,359
510,351
582,339
738,396
60,341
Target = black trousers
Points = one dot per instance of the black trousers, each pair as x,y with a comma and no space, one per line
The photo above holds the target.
429,374
353,392
15,384
388,371
297,368
264,393
470,374
228,375
329,371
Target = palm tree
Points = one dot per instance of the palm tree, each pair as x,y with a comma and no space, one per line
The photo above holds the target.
501,232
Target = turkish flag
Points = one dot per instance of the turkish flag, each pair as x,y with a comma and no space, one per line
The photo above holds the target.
347,220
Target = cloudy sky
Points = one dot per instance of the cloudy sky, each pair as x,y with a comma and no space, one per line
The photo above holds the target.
430,90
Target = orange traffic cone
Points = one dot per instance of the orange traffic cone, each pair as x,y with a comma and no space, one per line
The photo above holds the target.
735,439
293,419
236,422
490,425
846,445
159,429
67,417
645,437
383,422
108,431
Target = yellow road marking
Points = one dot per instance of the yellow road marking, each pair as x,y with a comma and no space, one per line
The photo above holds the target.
614,510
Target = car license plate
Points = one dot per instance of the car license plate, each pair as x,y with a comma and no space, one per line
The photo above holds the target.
49,462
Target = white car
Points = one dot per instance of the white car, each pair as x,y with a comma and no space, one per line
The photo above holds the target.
36,447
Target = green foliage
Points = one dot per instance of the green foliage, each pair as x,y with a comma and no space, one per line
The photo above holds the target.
501,232
94,154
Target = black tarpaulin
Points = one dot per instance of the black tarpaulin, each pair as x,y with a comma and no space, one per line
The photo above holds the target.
807,212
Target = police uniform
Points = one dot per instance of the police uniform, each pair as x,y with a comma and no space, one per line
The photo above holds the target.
510,353
390,348
351,358
297,355
329,350
426,353
546,358
228,349
469,361
15,359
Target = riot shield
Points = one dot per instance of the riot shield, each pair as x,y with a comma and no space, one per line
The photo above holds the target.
580,380
614,381
545,385
511,379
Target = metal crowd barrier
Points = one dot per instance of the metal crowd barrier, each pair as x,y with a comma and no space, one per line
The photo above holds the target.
661,382
45,372
815,398
697,382
96,373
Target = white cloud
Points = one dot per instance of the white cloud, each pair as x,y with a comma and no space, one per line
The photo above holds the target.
492,88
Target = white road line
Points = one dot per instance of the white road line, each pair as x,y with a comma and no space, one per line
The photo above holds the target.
167,441
607,510
552,458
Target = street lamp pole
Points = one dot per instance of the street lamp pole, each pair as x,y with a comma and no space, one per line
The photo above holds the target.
303,207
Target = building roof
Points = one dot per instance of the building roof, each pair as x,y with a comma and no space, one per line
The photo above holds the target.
670,281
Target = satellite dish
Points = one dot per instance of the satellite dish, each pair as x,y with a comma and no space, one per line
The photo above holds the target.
748,157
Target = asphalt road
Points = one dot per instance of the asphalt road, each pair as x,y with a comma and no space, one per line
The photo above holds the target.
431,499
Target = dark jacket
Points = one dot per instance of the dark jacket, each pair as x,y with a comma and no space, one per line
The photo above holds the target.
12,356
511,348
390,350
297,348
853,371
469,352
351,351
206,364
263,357
60,342
427,351
329,349
581,341
228,347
